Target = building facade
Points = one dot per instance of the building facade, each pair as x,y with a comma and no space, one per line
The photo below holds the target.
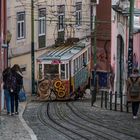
120,36
3,45
120,41
136,39
101,44
56,22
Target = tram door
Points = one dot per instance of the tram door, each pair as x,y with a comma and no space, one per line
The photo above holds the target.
120,64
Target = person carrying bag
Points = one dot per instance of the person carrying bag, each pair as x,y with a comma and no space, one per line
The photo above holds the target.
22,95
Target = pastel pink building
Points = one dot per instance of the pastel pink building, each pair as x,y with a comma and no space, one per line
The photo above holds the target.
136,38
120,42
3,51
136,50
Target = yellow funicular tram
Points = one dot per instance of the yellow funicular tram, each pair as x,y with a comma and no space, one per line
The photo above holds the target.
63,70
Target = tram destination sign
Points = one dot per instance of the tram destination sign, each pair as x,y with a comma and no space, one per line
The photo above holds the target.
56,61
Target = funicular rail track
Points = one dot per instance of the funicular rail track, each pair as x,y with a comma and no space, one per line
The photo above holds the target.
56,125
68,120
82,124
93,118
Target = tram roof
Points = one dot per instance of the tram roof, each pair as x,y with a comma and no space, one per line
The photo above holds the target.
62,53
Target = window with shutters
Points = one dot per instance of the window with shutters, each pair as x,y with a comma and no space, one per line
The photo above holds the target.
78,13
20,25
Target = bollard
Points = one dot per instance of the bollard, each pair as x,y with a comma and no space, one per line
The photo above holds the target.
106,99
101,99
110,100
127,108
93,96
115,100
121,102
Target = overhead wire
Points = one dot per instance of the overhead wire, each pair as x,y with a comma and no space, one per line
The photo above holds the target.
51,14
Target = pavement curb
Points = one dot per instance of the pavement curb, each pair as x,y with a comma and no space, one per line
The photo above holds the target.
30,131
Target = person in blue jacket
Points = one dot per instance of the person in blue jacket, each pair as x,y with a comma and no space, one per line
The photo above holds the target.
6,74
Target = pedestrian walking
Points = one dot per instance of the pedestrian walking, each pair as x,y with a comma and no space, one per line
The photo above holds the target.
16,86
133,90
6,74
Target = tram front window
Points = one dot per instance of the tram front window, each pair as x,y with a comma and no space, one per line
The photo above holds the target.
62,71
51,71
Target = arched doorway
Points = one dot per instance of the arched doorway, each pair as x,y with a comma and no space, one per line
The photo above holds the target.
120,64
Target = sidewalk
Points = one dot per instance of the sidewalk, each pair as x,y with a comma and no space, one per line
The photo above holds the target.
14,127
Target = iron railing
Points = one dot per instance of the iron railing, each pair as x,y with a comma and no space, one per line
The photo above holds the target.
113,101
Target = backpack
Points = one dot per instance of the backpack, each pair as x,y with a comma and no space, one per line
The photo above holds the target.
135,87
5,75
12,82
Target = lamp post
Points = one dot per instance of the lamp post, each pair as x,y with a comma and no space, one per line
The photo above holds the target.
32,48
94,74
130,47
8,39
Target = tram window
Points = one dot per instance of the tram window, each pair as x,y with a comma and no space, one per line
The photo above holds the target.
62,71
67,71
84,58
89,54
50,69
74,67
76,64
81,59
40,71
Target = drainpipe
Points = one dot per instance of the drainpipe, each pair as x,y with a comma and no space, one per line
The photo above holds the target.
3,28
0,57
4,17
0,28
94,75
94,59
130,47
32,48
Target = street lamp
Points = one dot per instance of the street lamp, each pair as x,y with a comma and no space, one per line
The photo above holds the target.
93,85
130,47
32,48
8,39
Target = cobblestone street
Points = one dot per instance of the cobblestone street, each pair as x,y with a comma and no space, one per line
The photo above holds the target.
75,120
14,127
78,120
70,70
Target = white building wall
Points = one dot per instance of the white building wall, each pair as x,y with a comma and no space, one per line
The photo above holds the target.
19,51
119,27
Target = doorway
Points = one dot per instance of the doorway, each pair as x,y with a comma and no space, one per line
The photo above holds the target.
120,64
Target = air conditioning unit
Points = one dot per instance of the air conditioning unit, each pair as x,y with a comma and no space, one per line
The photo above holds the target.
95,1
